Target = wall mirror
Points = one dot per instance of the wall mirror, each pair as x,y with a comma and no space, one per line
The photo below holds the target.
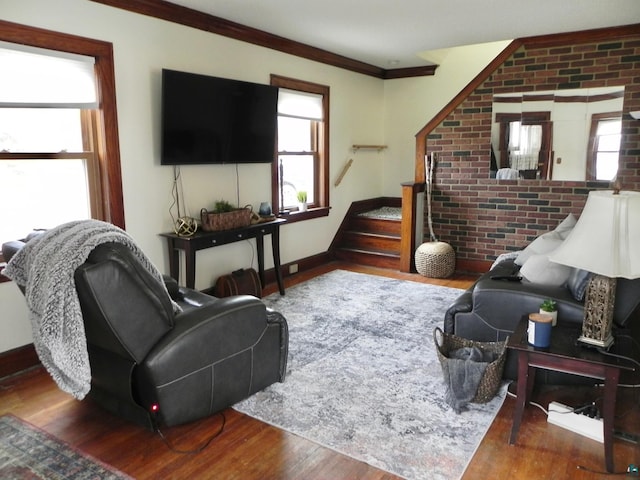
557,135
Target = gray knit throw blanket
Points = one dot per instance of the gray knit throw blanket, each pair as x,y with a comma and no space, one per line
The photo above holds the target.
45,267
463,372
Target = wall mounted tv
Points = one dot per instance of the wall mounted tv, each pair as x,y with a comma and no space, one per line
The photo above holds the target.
209,120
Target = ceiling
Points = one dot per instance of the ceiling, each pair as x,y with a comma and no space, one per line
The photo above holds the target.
409,33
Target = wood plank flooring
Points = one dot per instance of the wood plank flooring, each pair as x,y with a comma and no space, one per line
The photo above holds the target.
249,449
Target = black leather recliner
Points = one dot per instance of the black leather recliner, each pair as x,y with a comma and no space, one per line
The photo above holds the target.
189,365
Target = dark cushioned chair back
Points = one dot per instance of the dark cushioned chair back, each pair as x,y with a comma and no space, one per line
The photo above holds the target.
627,306
125,309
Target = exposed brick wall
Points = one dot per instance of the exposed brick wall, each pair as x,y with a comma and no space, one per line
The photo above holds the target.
482,217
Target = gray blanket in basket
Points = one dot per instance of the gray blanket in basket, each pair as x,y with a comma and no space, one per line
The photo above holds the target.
463,371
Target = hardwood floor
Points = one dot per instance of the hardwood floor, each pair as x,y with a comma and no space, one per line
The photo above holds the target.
249,449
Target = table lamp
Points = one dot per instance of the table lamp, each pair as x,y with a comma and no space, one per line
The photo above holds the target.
606,242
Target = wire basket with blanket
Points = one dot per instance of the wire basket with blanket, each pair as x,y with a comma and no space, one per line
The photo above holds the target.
472,370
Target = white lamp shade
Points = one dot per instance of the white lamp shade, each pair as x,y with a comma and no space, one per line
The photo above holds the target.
606,239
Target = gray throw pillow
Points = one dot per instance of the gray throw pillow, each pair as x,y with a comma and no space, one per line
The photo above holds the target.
547,242
577,283
538,269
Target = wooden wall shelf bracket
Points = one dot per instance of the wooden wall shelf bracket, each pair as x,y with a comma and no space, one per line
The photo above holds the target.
368,147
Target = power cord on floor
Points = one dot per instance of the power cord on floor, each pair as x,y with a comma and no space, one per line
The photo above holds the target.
632,471
573,410
196,450
534,404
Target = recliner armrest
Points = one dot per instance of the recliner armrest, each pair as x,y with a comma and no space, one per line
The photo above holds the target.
205,336
462,304
9,249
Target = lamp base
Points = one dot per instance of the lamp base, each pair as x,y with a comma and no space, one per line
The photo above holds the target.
598,312
593,342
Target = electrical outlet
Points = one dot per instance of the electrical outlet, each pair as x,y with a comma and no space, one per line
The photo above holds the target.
293,268
565,417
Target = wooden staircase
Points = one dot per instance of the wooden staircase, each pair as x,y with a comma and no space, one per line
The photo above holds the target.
369,241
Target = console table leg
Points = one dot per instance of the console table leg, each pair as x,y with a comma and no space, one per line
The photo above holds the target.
260,250
275,247
522,392
174,259
190,268
608,414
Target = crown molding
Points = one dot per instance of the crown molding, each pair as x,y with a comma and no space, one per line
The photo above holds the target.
209,23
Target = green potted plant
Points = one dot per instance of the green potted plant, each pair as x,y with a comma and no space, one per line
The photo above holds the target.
549,307
223,206
302,200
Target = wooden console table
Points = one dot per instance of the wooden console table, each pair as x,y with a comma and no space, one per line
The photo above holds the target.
201,240
566,355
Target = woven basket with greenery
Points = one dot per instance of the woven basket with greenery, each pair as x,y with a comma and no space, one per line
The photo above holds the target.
213,222
490,383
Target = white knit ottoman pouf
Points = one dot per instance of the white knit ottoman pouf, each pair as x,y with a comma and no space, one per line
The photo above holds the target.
435,260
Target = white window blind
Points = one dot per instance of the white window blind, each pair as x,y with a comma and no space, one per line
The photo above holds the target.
297,104
37,78
609,127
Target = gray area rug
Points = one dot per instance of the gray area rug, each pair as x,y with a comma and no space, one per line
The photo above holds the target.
364,378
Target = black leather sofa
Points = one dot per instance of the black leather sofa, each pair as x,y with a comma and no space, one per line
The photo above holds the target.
189,365
490,310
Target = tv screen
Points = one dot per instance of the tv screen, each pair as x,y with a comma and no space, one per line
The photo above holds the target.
209,120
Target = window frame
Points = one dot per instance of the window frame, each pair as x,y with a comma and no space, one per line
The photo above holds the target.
87,122
543,119
321,205
104,119
592,149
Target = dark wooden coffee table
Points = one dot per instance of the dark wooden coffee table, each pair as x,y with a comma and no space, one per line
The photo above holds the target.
566,355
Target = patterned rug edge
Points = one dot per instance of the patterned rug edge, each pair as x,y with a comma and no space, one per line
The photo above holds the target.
19,423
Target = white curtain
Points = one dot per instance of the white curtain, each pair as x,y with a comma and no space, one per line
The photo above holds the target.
525,142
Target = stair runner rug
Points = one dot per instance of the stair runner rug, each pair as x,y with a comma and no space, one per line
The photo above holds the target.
26,452
384,213
364,379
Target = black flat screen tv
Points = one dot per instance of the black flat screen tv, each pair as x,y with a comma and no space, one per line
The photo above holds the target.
211,120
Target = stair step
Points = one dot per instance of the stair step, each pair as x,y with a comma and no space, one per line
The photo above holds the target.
374,225
371,241
368,257
381,253
371,234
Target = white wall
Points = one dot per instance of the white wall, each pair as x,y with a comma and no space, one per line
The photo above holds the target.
411,102
363,110
15,329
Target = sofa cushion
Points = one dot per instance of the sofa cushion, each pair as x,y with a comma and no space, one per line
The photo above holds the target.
543,245
539,269
549,241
